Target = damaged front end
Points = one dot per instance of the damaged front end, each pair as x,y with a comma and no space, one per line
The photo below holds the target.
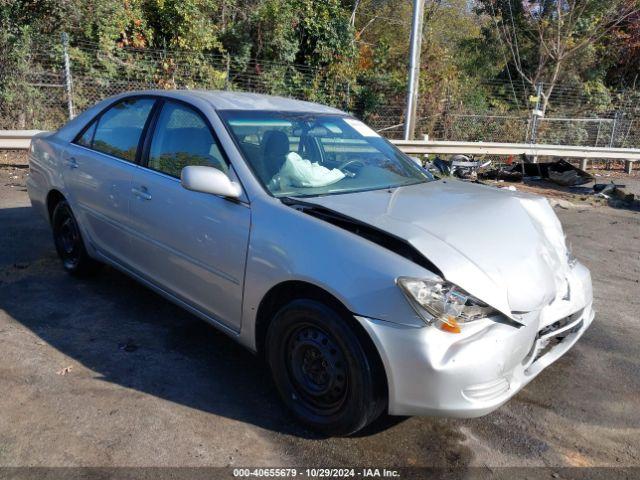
362,229
507,298
472,373
506,249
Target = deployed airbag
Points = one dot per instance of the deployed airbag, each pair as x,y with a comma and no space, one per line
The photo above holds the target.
298,172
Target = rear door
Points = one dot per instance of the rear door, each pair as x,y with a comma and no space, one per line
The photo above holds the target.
97,170
192,244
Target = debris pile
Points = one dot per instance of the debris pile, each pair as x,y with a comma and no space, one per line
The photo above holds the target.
460,166
560,173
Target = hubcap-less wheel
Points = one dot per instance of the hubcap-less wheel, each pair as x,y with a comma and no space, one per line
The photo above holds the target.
322,371
317,368
68,241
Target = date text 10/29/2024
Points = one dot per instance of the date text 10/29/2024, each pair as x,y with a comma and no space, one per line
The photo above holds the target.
316,472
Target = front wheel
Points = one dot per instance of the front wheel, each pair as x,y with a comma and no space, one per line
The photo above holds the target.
322,369
68,241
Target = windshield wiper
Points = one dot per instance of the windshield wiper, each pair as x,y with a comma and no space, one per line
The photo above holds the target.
305,195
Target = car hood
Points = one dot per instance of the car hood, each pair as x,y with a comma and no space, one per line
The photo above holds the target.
505,248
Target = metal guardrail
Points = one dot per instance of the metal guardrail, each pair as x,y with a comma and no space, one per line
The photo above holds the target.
418,147
16,139
481,148
20,139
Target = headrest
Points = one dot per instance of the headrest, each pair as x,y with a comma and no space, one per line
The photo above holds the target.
275,142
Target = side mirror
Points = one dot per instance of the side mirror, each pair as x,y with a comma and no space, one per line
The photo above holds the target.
209,180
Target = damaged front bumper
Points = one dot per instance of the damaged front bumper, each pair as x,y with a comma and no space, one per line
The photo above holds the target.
432,372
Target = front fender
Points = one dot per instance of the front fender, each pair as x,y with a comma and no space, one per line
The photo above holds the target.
286,244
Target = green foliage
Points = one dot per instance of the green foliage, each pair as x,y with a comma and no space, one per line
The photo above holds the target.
598,95
20,102
544,40
182,24
311,49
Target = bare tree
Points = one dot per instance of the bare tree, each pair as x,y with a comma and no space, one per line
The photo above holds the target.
557,29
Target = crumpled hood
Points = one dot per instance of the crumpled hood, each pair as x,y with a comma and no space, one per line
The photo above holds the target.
506,248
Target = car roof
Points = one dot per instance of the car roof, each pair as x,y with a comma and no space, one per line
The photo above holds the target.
218,99
228,100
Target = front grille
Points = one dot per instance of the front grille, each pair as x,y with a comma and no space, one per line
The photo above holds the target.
554,341
552,335
549,329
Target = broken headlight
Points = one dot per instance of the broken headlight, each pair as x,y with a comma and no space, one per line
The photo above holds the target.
442,303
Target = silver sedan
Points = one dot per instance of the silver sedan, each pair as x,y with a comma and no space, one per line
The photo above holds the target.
367,285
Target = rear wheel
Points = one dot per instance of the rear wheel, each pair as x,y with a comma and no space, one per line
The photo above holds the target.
322,369
69,243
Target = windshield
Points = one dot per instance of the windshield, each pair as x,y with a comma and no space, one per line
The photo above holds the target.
308,154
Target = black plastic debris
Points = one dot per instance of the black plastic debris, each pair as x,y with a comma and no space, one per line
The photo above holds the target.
441,166
606,188
560,172
501,174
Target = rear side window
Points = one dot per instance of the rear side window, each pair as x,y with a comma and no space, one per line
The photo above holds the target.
119,129
182,138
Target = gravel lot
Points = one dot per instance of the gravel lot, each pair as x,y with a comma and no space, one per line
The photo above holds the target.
103,372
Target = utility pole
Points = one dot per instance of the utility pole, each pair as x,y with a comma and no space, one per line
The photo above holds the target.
68,83
414,69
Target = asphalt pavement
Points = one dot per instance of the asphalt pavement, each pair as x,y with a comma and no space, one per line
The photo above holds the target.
103,372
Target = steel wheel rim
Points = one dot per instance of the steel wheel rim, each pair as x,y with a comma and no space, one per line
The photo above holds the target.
68,241
317,368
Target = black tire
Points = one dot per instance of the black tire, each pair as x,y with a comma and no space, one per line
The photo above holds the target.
322,369
69,243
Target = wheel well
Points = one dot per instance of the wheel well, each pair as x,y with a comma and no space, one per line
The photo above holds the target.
283,293
53,198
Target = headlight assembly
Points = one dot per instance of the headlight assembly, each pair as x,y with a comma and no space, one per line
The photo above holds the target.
442,303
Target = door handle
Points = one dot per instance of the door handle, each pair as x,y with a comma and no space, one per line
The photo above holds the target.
142,193
72,162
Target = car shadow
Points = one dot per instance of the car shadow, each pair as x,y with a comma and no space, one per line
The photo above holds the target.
132,337
128,335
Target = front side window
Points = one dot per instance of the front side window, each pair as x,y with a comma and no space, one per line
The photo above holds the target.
86,139
309,154
183,138
119,129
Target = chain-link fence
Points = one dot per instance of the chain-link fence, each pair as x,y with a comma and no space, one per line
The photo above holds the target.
499,111
40,93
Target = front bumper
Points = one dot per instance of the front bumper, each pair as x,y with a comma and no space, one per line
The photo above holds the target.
431,372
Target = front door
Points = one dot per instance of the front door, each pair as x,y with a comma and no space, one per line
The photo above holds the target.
192,244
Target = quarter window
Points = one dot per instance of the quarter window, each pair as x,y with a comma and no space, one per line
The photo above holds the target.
119,128
182,138
86,138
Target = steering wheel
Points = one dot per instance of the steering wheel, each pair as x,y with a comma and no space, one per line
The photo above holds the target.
344,165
